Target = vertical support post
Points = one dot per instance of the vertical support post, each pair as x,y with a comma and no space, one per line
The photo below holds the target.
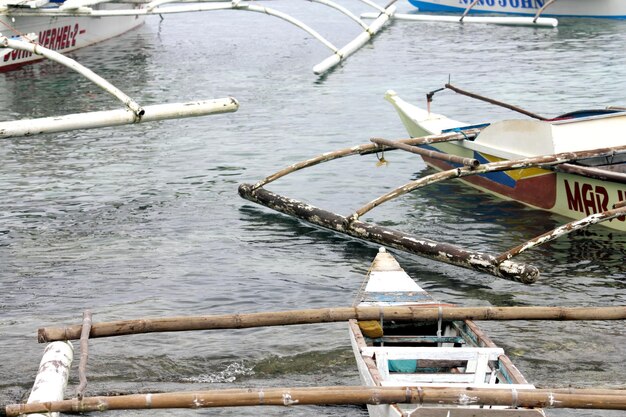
52,376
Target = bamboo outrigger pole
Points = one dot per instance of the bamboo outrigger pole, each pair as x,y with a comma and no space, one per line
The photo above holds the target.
335,395
328,315
371,232
492,101
618,210
368,148
506,165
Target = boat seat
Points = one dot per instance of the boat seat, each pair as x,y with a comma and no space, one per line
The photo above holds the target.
475,364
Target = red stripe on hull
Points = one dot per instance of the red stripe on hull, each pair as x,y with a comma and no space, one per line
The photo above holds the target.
538,191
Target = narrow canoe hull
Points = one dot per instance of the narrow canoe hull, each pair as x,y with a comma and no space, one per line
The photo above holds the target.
62,33
570,195
614,9
445,354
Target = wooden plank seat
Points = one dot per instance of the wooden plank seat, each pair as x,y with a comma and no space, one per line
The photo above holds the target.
421,339
476,370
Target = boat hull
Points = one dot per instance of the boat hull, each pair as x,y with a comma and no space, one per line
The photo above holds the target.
614,9
570,195
63,33
423,354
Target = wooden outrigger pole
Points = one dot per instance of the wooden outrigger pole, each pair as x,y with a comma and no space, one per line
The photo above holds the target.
500,266
323,315
335,395
47,397
131,113
370,232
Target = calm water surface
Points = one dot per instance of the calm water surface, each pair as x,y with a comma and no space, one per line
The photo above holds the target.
146,221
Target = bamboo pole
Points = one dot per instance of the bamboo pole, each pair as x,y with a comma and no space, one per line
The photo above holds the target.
618,211
329,315
470,162
492,101
367,148
506,165
335,395
374,233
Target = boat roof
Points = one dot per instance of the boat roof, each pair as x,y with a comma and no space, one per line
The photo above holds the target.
528,137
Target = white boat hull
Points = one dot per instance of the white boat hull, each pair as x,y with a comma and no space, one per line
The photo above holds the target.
61,33
569,195
615,9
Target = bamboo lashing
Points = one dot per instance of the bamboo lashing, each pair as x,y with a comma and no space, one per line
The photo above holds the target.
329,315
469,162
337,395
506,165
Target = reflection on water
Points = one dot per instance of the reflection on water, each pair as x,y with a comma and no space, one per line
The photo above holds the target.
145,220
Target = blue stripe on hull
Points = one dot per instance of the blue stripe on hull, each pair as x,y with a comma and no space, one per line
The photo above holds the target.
440,8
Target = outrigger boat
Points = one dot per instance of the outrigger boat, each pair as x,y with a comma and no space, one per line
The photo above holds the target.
72,24
416,357
548,164
58,26
575,190
613,9
443,354
131,113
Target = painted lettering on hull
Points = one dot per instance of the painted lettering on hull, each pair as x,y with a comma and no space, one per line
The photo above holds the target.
514,4
57,39
589,199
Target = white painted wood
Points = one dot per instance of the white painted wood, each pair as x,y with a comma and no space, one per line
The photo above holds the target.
454,385
391,281
343,53
401,379
118,117
545,22
434,353
52,376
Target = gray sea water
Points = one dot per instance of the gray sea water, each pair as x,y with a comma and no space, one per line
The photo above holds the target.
145,221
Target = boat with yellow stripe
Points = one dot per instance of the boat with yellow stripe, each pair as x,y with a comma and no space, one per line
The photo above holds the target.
576,189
